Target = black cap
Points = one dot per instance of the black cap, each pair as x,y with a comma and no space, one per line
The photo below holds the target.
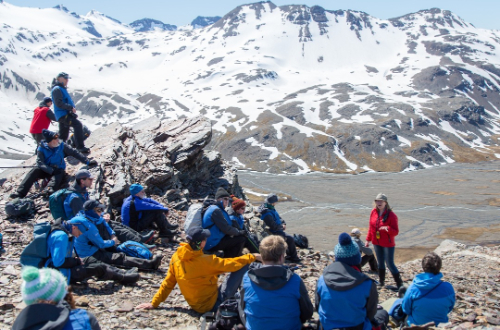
197,234
63,75
92,204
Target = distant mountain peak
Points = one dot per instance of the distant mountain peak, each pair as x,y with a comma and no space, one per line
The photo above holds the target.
61,8
149,24
202,21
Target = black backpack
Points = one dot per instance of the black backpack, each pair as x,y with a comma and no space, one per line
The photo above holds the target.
227,316
301,241
20,207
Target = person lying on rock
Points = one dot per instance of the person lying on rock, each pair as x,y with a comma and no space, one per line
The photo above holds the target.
89,244
50,303
272,296
50,164
140,213
429,299
60,246
196,273
368,255
345,297
223,236
235,213
277,226
78,195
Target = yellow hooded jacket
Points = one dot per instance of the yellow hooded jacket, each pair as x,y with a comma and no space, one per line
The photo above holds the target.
196,274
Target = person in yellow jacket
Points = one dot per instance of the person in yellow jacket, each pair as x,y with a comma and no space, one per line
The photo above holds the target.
196,273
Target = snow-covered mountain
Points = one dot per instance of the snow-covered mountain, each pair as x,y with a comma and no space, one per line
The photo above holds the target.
203,21
288,89
148,24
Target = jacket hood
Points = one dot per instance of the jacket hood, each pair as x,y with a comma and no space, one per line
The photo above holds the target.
230,211
56,83
43,317
185,252
42,105
262,208
427,281
269,277
339,276
77,188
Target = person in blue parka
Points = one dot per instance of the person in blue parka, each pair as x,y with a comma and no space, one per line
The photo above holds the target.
50,164
345,297
223,236
429,299
140,213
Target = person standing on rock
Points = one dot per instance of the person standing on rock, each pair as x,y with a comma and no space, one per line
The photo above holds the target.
60,246
196,273
277,226
368,257
41,119
345,297
89,244
235,213
272,296
74,201
50,303
65,112
223,236
140,213
382,232
50,163
429,299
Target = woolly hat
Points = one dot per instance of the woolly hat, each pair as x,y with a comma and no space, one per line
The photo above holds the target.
49,135
347,251
238,203
42,284
221,193
47,100
135,189
271,199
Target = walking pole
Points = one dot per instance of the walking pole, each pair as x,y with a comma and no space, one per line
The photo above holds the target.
18,166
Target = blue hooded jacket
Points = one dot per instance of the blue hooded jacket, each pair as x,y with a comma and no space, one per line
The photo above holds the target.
90,241
434,306
215,233
60,248
53,156
141,204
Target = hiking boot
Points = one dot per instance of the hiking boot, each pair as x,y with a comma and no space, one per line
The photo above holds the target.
167,234
149,247
398,280
294,260
84,150
171,226
148,237
14,195
381,275
156,261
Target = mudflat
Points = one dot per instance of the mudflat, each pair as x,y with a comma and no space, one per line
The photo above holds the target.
458,201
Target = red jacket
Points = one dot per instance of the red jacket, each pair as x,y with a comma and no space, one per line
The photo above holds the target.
40,120
387,239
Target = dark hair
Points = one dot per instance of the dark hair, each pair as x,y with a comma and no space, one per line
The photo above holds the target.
79,181
432,263
194,245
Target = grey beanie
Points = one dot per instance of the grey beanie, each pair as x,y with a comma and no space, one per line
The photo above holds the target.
271,198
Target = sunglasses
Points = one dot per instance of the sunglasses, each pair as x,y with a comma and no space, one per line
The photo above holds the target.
98,209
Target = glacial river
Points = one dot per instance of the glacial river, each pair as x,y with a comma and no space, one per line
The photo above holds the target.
457,201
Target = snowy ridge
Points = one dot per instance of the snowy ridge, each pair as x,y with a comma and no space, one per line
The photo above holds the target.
289,89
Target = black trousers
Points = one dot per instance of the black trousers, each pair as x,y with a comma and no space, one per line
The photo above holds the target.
252,246
124,233
36,174
291,251
69,121
371,261
232,246
156,217
92,268
119,259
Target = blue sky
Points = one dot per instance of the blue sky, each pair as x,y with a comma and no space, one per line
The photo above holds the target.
481,13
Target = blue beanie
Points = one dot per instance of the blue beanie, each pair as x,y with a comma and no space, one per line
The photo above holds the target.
136,188
347,251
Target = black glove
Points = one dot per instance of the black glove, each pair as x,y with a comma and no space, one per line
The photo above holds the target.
243,233
92,163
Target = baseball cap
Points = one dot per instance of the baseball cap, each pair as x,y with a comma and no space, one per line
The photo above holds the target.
197,234
356,231
63,75
83,174
92,204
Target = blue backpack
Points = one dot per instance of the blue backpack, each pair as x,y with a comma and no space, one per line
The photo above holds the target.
36,253
135,249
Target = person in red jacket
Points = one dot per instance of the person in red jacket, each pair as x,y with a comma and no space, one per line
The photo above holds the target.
382,232
41,119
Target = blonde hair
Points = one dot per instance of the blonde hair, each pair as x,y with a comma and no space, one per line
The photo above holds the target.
272,248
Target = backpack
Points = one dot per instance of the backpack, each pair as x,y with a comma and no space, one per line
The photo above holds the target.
36,253
195,214
135,249
227,316
56,203
301,241
20,207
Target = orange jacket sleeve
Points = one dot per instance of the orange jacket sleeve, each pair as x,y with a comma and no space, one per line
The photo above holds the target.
166,287
228,265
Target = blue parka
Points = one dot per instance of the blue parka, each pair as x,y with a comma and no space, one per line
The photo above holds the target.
141,204
90,242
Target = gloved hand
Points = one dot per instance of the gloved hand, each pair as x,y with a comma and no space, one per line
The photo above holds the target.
92,163
243,233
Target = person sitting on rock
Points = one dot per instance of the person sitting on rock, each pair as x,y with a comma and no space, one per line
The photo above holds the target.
272,296
368,255
74,201
89,244
65,112
196,273
139,213
41,119
429,299
50,163
223,236
60,245
50,303
277,226
345,297
235,213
